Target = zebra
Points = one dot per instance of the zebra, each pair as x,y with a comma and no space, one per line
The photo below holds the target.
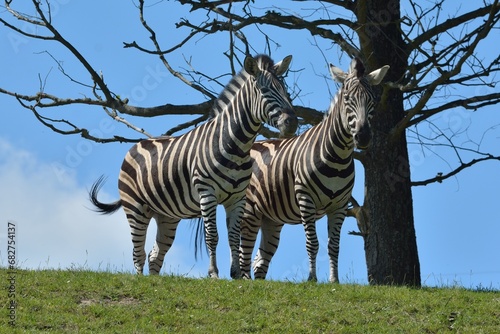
301,179
173,178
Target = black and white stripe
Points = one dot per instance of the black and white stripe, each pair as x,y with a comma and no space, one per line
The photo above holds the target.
171,178
301,179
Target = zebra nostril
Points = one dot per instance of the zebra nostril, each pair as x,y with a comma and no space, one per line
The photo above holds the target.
288,124
362,139
291,121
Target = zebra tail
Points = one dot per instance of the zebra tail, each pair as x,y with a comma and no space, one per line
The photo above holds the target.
104,208
199,237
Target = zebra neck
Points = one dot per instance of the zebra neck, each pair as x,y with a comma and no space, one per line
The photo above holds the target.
234,117
337,139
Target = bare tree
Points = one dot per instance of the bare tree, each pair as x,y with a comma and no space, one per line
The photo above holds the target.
431,52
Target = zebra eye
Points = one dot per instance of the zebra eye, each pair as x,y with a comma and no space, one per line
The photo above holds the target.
265,90
346,97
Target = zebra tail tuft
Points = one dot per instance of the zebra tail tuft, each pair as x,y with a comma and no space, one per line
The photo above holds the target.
199,237
104,208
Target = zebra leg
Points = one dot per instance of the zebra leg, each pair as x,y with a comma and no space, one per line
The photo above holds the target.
138,219
335,221
250,225
234,213
270,238
312,247
308,214
208,206
165,236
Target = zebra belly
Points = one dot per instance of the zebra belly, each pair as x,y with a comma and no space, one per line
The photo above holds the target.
282,206
167,176
180,204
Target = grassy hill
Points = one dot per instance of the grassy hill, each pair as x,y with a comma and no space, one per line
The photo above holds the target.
85,301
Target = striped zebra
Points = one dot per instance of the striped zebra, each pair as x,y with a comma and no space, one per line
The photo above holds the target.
299,180
171,178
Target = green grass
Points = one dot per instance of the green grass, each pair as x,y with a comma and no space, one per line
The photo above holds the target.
103,302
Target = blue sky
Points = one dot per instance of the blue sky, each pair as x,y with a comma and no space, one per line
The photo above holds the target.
45,176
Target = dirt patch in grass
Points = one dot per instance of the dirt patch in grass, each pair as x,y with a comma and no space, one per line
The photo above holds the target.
125,301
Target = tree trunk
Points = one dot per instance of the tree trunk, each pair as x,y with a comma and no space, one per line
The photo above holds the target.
390,242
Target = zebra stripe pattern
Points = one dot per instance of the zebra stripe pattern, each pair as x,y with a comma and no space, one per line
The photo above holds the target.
301,179
171,178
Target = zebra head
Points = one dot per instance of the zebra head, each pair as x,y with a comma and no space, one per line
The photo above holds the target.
357,99
272,105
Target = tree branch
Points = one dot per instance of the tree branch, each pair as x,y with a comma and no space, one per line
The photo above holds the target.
274,18
440,177
162,55
361,215
446,75
472,103
429,34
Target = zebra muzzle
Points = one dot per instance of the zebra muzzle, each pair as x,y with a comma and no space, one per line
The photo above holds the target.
362,135
287,123
362,138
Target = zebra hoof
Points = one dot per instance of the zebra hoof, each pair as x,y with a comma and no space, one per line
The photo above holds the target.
213,275
236,274
334,280
312,279
245,276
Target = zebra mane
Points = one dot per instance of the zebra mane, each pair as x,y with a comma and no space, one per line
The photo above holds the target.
357,67
333,103
265,64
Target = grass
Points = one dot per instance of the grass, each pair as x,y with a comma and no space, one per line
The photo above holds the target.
84,301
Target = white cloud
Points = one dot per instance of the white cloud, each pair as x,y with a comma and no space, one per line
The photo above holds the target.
55,227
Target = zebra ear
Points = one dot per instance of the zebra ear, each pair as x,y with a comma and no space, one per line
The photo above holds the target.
337,74
251,66
375,77
281,67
